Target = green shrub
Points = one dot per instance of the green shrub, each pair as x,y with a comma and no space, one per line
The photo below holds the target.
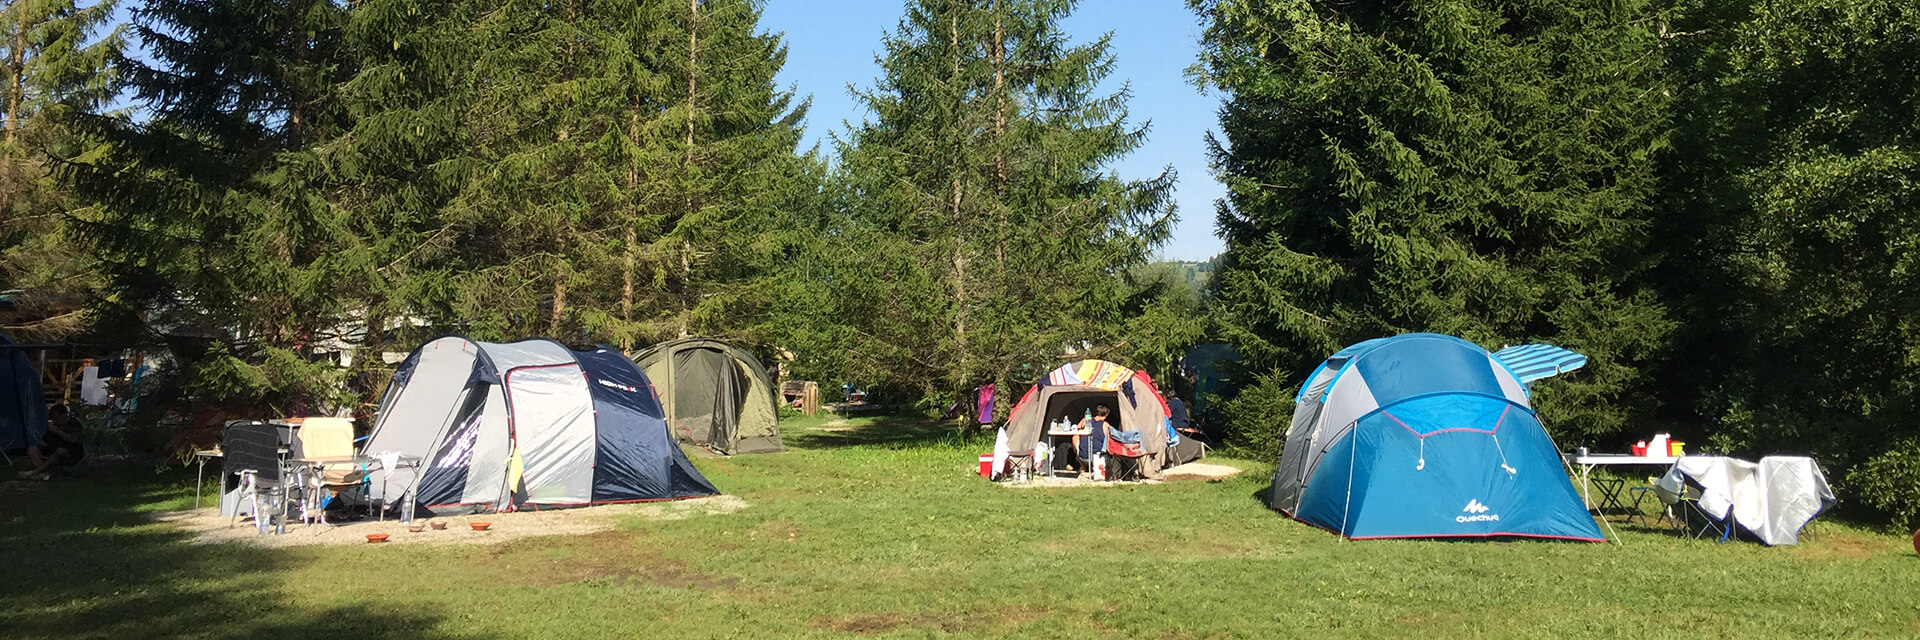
1255,419
1890,482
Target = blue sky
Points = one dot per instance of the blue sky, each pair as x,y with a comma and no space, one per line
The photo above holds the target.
831,44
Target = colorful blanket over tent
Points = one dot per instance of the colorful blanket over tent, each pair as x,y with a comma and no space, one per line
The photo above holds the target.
1099,374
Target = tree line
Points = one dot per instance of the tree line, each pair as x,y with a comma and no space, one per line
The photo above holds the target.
1712,199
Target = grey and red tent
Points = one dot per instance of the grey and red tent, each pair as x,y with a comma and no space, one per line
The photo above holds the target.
527,424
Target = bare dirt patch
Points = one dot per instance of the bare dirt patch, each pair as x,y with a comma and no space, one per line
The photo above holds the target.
873,624
207,526
1831,544
1066,482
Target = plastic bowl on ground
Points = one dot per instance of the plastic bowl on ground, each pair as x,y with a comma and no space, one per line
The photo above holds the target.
479,526
377,537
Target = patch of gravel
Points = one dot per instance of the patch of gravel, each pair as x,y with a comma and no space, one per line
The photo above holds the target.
208,527
1201,471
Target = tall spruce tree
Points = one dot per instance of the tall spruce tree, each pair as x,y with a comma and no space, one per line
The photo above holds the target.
207,209
982,232
724,180
1461,166
592,170
55,56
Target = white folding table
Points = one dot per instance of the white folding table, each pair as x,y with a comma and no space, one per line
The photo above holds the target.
1587,462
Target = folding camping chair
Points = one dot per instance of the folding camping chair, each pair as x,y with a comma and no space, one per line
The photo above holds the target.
1640,495
1131,452
325,438
1019,465
256,452
1685,499
1608,495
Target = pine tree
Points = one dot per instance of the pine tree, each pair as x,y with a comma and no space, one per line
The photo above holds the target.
55,59
1467,167
981,233
591,170
208,210
717,177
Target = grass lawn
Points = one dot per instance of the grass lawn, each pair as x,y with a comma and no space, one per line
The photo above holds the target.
880,528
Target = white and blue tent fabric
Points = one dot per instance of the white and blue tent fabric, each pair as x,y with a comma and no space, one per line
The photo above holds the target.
1532,362
527,424
1423,436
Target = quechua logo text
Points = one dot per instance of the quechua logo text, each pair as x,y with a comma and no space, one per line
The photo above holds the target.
1476,513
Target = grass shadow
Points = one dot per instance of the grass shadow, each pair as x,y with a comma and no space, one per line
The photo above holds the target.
898,431
86,561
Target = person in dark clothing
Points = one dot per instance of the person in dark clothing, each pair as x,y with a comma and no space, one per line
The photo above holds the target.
61,447
1188,448
1096,440
1177,415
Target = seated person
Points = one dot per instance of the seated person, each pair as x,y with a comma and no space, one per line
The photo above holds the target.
1096,440
1183,444
61,447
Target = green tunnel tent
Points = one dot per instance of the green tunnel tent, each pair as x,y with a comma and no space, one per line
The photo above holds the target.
717,395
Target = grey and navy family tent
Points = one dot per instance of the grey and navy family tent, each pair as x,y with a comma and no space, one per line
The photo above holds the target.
1424,436
717,395
527,424
23,408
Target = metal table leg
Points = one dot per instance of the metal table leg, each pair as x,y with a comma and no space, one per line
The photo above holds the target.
199,479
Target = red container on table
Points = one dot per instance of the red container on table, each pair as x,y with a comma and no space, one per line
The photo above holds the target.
1639,450
986,465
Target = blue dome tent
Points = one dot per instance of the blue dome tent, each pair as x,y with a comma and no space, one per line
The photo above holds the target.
1425,436
23,409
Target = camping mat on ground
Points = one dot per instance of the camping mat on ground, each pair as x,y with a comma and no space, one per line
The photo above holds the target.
207,526
1200,470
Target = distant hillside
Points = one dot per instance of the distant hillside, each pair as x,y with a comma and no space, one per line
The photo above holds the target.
1197,273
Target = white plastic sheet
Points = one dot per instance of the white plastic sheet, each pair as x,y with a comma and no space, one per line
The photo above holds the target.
1772,498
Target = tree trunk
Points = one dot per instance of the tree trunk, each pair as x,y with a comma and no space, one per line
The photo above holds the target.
560,273
689,296
963,371
17,74
693,72
1000,141
632,248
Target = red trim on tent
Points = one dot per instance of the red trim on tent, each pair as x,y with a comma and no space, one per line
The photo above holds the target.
1479,535
1025,398
1441,535
1143,377
537,505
